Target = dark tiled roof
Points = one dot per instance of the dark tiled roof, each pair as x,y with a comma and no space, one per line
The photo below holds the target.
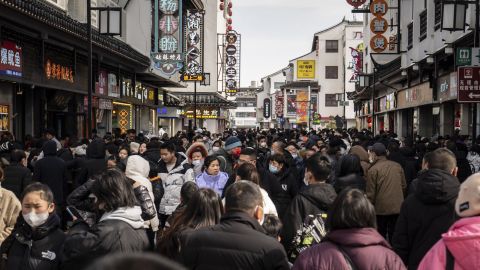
53,17
301,84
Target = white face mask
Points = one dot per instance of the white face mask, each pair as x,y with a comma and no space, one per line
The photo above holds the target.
35,220
263,145
294,156
197,163
215,148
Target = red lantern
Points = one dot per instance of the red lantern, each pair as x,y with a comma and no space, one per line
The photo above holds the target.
230,13
222,6
230,5
229,28
229,21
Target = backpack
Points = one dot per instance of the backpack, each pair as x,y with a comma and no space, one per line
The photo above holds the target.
312,232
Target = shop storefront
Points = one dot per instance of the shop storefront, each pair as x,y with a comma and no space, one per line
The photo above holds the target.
169,120
416,111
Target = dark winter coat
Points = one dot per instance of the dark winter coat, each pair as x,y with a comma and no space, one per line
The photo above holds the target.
94,164
226,161
39,249
366,248
83,244
17,177
51,170
238,242
314,199
425,215
362,154
464,169
349,181
281,188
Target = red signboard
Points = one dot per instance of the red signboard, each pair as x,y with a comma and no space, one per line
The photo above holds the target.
11,59
101,85
356,3
468,84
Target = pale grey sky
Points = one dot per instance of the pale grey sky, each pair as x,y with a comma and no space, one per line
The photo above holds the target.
276,31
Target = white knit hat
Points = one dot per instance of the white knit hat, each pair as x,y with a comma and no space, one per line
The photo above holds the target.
468,201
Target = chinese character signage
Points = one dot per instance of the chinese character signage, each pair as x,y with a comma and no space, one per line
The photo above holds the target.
378,26
378,43
202,113
356,3
167,54
279,104
267,108
468,84
379,8
232,62
11,59
194,46
101,85
306,69
302,107
59,72
357,61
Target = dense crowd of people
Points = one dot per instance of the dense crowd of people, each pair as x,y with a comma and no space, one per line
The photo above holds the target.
241,199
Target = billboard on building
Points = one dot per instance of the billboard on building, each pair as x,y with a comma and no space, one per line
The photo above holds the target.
306,69
291,105
302,107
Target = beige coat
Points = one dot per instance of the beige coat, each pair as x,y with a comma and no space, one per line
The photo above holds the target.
10,208
386,186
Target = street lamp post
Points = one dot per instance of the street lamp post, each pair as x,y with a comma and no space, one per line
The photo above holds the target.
454,19
110,24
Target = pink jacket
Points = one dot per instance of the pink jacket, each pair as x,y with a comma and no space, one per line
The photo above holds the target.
463,241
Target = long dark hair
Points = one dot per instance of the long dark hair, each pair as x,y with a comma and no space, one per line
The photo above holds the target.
349,164
114,190
351,209
204,209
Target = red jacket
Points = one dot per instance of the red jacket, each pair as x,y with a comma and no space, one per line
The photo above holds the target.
366,248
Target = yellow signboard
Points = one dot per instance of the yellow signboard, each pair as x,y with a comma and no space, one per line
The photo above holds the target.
192,78
305,69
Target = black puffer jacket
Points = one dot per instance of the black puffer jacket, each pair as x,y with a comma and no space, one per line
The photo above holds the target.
121,231
95,162
425,215
314,199
349,181
80,199
52,171
282,188
17,177
39,249
238,242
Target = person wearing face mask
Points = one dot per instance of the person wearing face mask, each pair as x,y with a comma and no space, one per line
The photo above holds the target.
385,188
196,154
239,241
262,149
216,146
285,186
212,177
36,242
230,154
120,229
315,199
293,149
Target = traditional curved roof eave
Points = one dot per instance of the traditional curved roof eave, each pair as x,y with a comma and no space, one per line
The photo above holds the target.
52,17
275,73
315,36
